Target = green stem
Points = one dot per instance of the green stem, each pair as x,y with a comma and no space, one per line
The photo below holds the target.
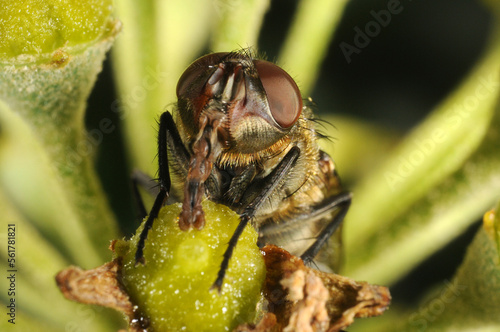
238,25
307,42
159,40
446,211
469,301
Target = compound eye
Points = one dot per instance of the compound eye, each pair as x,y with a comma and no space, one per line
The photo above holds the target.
191,80
282,93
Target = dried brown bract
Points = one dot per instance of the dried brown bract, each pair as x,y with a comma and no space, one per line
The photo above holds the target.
100,286
304,299
97,286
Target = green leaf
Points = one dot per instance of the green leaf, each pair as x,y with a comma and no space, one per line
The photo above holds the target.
238,24
24,322
308,39
469,302
50,55
355,140
32,30
35,264
41,119
438,181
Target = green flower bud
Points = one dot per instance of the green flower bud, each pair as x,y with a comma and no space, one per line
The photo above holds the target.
173,290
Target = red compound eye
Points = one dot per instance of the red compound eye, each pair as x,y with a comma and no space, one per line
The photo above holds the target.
191,81
282,92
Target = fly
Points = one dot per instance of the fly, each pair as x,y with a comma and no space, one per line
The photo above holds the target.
241,135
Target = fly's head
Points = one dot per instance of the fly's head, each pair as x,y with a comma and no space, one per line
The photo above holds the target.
257,101
233,110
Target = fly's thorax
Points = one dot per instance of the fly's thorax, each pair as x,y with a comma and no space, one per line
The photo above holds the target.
304,185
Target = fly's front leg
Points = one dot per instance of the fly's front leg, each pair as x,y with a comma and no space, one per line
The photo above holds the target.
167,127
272,182
342,201
240,183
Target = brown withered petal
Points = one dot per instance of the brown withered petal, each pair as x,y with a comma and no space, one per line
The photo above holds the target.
310,297
99,286
300,303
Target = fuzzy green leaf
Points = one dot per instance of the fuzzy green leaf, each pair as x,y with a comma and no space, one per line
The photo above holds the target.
470,302
35,264
50,55
438,181
31,30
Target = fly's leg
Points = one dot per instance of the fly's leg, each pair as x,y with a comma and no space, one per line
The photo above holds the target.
342,200
167,126
272,181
